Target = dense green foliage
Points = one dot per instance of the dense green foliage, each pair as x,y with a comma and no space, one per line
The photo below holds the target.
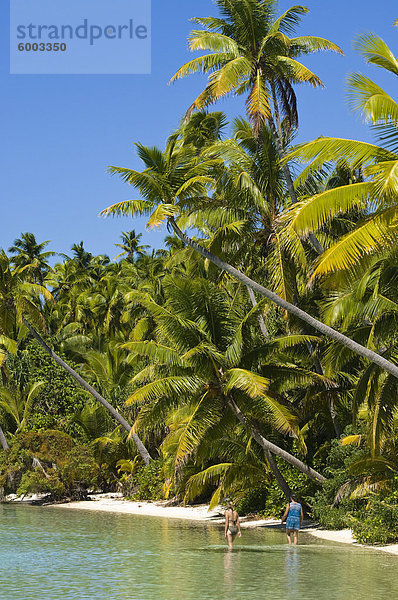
232,395
59,399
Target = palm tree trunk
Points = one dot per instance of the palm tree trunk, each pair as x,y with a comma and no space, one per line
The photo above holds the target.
277,137
278,475
294,310
268,446
268,455
289,182
3,441
140,446
261,323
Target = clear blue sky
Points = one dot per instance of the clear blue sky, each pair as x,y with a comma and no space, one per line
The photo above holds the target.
59,132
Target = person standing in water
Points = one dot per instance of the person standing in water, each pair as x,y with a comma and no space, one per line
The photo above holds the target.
232,525
294,519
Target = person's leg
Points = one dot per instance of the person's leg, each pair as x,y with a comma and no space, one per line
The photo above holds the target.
295,536
288,532
230,539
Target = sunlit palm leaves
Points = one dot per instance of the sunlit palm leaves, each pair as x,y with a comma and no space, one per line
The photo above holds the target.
376,195
250,53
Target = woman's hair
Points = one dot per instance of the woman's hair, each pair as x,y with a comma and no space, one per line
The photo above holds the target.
294,498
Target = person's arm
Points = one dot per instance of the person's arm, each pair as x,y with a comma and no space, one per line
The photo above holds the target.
285,514
238,525
226,523
301,517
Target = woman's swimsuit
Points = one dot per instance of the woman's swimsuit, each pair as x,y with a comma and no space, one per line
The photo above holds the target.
293,520
232,527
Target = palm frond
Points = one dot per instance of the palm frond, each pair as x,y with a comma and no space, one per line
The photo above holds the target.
376,52
373,102
289,20
366,238
173,385
252,383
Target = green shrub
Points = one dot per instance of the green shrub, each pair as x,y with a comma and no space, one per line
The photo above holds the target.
35,482
60,398
79,471
67,468
149,482
378,523
333,517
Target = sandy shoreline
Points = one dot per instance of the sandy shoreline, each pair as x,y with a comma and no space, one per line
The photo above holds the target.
150,509
109,503
116,504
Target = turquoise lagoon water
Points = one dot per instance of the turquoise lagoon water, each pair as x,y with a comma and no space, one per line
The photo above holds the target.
53,553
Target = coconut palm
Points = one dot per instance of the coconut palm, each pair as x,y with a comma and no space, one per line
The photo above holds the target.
17,299
28,253
236,465
131,245
171,184
202,359
251,53
375,195
16,404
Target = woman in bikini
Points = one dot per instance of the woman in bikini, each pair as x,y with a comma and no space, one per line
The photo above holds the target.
294,519
232,525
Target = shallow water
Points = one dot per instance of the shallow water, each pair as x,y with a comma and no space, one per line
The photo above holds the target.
52,553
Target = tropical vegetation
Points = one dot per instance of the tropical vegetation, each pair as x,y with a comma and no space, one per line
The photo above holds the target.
256,353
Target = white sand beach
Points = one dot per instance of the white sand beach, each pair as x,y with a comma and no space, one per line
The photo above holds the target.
112,503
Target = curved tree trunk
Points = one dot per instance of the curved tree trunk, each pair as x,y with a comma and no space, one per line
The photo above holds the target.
294,310
261,322
268,446
3,441
268,455
140,446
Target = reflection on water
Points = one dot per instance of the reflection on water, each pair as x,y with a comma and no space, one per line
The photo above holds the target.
53,554
292,566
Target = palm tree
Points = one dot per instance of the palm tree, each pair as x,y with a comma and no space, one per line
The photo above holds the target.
28,253
203,357
131,245
17,403
251,53
375,194
81,257
17,298
174,181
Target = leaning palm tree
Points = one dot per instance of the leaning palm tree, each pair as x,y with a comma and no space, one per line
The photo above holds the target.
376,194
205,358
19,298
172,183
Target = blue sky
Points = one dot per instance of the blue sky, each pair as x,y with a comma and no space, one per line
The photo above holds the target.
59,132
